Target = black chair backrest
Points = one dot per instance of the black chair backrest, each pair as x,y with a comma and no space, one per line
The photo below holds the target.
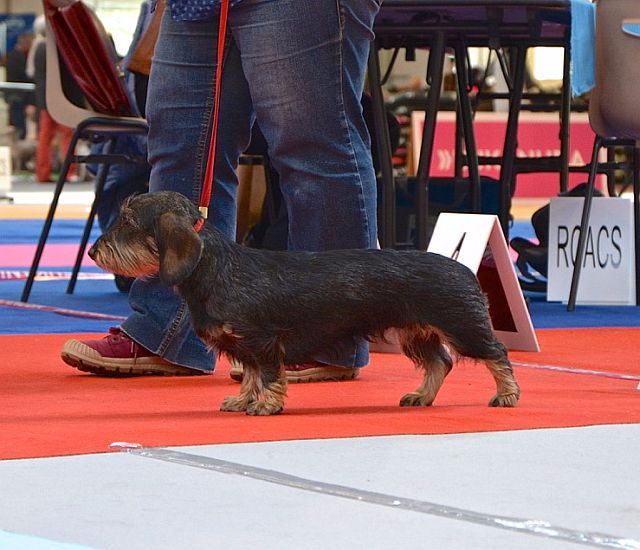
613,107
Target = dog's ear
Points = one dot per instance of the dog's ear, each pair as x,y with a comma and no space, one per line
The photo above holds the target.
179,248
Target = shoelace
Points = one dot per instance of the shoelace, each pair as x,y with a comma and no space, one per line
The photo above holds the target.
116,335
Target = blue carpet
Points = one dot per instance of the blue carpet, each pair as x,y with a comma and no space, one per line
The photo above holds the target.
96,296
555,315
101,296
63,231
89,295
522,228
17,321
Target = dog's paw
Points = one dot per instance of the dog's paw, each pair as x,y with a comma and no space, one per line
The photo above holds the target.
261,408
233,403
508,400
415,399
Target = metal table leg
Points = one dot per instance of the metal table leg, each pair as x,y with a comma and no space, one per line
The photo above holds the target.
509,150
387,228
434,79
467,125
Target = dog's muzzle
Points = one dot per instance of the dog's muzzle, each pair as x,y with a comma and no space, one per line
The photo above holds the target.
94,250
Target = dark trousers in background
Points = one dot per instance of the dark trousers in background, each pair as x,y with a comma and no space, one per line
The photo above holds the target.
18,117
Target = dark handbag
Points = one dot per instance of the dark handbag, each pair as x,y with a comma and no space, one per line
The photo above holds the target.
89,54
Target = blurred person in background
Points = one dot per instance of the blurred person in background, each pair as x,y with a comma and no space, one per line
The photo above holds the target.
18,101
48,128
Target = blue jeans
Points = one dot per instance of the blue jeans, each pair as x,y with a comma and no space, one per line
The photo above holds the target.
122,181
299,68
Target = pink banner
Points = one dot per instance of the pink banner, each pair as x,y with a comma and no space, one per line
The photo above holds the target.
54,255
538,136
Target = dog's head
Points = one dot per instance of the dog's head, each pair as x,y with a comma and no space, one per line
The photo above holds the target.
154,235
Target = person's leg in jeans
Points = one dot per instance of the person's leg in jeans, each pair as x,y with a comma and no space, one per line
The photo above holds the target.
180,96
123,180
305,64
179,100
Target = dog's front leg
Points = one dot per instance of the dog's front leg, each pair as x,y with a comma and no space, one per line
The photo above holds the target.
274,390
249,391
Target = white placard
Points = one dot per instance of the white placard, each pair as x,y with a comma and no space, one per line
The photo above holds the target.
477,241
607,275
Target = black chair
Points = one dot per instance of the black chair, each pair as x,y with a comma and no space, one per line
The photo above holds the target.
613,112
67,104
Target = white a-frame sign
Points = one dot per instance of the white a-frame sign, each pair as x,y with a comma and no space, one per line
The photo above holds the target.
477,241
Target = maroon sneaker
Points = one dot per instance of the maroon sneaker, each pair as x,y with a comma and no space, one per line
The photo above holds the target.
306,372
118,355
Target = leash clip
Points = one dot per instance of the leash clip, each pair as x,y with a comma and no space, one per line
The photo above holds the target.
204,213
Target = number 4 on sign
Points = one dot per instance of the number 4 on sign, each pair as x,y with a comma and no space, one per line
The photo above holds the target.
477,241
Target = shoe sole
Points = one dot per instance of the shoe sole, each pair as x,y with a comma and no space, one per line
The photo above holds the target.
328,373
80,356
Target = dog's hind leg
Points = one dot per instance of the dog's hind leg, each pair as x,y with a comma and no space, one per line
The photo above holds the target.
424,347
507,389
482,345
249,391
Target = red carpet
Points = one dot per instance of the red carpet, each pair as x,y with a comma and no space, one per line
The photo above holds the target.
50,409
603,349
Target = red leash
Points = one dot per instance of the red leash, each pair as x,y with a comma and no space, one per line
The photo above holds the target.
207,184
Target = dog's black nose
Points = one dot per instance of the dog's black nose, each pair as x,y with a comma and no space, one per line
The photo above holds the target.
93,250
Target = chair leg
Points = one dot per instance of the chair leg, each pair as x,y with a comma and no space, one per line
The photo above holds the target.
434,79
565,114
636,214
100,180
584,224
467,129
387,211
44,235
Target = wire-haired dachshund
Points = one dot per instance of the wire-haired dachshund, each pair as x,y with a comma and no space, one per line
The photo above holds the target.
268,309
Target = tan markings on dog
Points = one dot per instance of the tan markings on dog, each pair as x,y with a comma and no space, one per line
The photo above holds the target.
274,395
216,332
133,260
248,399
508,391
427,391
249,391
218,336
425,347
